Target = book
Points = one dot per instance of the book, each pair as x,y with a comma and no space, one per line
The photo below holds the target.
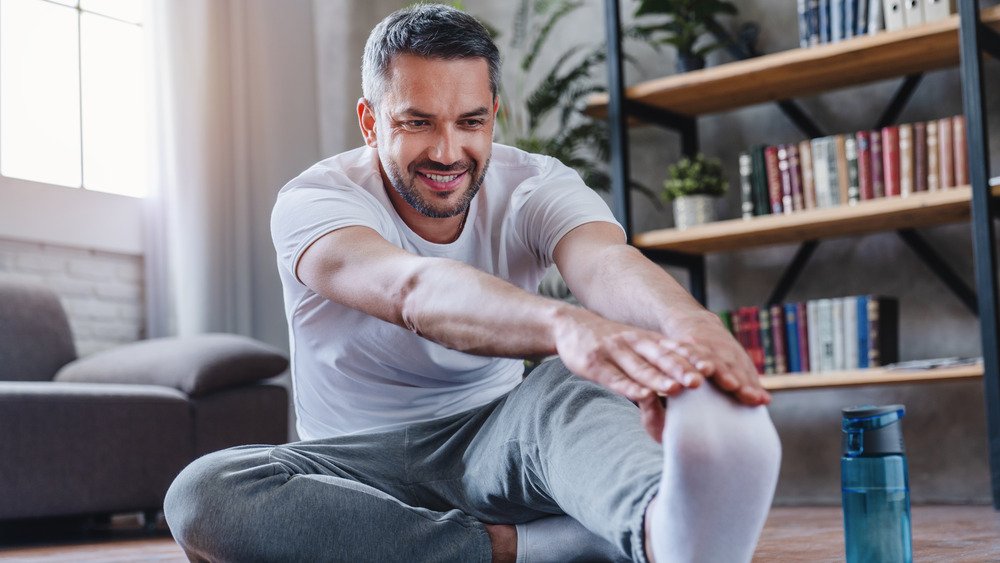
876,22
746,186
905,159
837,328
933,168
841,186
850,315
861,312
938,9
808,183
761,203
792,335
778,339
727,320
961,150
863,140
878,175
824,21
883,330
766,339
751,327
837,20
893,12
824,337
851,153
913,12
801,313
821,171
808,23
920,157
812,334
803,9
861,18
850,9
784,171
795,176
890,160
773,179
946,154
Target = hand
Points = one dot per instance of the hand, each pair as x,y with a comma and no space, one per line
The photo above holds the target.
636,363
707,345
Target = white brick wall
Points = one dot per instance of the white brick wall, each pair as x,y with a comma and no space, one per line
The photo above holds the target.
102,292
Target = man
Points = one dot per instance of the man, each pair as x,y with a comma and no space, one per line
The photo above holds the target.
409,268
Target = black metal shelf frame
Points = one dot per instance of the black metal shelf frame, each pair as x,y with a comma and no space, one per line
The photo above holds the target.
974,39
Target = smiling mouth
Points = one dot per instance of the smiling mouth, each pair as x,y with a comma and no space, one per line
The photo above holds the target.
442,182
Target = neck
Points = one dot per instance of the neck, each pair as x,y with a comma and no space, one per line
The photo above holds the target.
442,230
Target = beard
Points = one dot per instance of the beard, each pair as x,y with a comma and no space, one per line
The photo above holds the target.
411,195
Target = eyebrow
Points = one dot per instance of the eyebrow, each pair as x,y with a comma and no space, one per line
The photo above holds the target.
414,112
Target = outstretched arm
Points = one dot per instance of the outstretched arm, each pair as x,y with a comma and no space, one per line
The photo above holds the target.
617,282
465,309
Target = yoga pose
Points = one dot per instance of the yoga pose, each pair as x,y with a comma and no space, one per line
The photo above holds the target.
410,267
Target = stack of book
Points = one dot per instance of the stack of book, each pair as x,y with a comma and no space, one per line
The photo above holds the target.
830,21
843,333
844,169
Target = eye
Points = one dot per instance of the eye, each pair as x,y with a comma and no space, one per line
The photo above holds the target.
473,123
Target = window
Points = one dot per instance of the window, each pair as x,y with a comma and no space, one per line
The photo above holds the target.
73,94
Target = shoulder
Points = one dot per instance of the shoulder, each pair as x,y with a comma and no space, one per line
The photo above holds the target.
354,168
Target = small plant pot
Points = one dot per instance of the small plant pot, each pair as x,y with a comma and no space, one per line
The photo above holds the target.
691,210
689,62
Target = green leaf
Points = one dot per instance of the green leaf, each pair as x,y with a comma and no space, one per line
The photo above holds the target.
565,8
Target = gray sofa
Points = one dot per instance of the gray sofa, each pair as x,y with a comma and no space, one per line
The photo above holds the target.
108,433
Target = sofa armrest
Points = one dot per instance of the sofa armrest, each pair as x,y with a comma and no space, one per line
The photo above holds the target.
196,365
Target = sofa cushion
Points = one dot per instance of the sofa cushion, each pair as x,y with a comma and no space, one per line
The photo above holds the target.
35,338
195,365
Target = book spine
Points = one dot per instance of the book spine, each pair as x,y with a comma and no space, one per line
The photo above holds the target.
761,205
938,10
801,312
813,22
773,179
784,171
795,175
837,20
833,173
878,173
861,304
874,335
851,153
821,171
746,185
753,319
933,165
850,9
850,307
905,159
813,334
913,12
808,181
888,329
861,18
840,148
792,334
824,21
727,320
766,340
893,12
778,340
824,324
961,150
863,140
946,154
890,159
920,157
803,9
837,324
876,22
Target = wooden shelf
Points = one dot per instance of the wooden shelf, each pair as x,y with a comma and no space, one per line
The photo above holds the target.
803,72
868,377
885,214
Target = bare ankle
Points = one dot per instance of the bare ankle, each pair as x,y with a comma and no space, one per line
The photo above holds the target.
647,531
503,537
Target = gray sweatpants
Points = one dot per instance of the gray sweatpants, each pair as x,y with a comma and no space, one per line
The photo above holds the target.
555,444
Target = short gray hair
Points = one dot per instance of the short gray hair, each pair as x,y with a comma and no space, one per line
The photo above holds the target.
425,30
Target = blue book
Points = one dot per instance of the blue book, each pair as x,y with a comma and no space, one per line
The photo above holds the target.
861,18
863,346
837,20
824,21
850,9
792,335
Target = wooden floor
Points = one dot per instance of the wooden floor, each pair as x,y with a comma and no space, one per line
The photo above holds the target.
953,534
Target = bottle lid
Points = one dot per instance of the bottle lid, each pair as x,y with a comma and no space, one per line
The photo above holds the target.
873,430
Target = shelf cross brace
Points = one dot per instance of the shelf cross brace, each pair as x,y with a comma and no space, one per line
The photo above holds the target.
941,269
686,125
899,100
792,272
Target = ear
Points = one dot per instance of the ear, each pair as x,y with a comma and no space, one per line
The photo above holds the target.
366,120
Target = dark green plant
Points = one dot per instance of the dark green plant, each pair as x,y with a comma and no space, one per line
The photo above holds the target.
697,176
682,23
547,117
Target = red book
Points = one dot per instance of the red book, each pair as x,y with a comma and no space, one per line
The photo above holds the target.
920,157
786,179
961,151
803,325
756,350
878,175
795,172
774,190
946,154
863,139
778,337
890,159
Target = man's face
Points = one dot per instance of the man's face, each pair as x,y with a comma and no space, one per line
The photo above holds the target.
433,130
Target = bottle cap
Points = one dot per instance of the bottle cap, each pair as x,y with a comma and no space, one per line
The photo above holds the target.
873,431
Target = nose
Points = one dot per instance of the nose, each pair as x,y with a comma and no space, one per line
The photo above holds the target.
447,146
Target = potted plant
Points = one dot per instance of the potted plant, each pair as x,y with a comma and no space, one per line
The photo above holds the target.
687,21
693,185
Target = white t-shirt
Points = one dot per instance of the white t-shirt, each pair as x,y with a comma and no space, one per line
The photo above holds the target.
352,372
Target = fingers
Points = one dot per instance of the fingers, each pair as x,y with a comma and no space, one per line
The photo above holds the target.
613,378
736,375
662,360
663,377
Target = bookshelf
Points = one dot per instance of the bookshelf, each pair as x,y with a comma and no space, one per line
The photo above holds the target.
676,101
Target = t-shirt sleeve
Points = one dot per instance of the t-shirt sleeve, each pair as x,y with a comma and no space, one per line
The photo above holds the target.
305,212
553,204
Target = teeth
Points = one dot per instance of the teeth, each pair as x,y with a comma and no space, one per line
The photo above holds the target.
445,179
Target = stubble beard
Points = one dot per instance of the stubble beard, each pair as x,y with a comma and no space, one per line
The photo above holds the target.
412,196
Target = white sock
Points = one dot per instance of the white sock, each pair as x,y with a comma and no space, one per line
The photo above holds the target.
560,539
720,469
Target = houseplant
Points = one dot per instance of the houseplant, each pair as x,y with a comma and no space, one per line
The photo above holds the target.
693,184
682,23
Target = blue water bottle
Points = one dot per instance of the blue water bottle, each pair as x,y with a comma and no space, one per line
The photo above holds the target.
875,486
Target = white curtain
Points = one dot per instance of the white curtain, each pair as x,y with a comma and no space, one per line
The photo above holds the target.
198,263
